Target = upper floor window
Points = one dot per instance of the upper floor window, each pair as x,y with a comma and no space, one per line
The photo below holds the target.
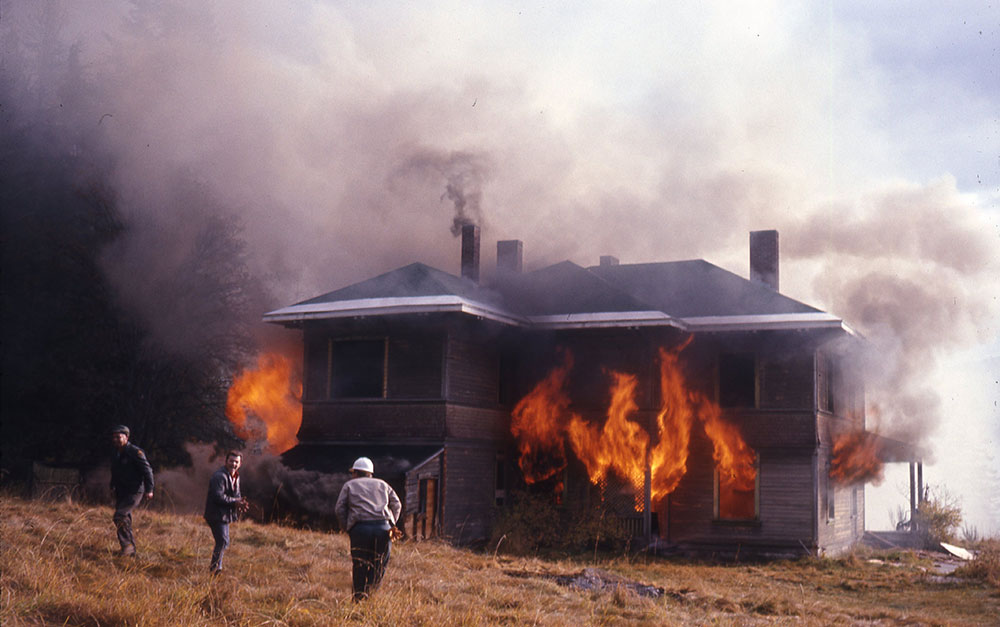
737,380
358,368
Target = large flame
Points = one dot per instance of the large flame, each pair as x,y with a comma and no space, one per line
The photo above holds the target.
734,461
673,423
620,445
856,458
538,422
542,423
272,394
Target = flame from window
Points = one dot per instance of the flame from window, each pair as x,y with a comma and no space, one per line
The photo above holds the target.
619,445
542,423
265,401
538,422
856,458
673,424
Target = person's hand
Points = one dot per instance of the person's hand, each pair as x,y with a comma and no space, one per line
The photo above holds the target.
395,533
149,496
243,506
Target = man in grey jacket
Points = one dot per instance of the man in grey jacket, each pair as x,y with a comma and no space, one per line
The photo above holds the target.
367,509
223,505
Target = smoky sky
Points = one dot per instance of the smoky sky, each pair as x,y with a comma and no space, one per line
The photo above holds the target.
347,140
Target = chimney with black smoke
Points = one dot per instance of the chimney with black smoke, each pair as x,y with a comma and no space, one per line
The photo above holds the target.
470,252
764,258
510,256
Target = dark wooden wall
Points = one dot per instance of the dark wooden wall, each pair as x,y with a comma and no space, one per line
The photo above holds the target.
468,498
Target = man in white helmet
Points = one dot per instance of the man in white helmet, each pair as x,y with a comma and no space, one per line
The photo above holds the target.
367,509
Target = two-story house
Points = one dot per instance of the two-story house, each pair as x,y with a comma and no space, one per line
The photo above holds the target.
430,373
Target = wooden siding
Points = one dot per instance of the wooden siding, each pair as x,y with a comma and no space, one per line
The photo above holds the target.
475,423
472,370
774,429
786,382
785,496
845,527
422,525
372,420
468,493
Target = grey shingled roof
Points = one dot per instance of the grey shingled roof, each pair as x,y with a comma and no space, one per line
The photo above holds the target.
686,294
564,288
416,279
697,288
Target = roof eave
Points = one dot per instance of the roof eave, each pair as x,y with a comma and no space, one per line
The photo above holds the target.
369,307
389,306
769,322
606,320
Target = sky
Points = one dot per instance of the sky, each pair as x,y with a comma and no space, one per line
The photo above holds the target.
343,133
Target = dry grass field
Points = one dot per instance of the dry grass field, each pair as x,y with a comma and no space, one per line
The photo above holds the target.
59,567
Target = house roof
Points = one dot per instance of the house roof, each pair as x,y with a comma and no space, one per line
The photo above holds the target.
697,288
691,295
414,280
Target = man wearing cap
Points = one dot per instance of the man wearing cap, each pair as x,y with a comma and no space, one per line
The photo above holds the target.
367,509
131,479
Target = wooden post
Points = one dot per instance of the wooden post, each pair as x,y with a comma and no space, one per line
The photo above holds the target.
647,514
913,499
920,484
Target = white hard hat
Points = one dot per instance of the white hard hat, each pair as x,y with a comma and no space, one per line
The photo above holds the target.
363,463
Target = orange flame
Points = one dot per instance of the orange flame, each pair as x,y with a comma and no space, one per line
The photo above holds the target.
541,422
620,445
538,421
735,462
673,422
272,393
856,458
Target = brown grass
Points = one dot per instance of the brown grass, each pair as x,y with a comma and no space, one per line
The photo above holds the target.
58,568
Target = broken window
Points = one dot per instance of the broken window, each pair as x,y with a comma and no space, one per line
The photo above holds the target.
357,368
737,380
736,495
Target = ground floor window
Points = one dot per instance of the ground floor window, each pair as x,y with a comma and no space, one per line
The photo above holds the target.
736,493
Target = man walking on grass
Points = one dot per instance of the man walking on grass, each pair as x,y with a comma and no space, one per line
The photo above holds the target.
131,479
223,505
367,509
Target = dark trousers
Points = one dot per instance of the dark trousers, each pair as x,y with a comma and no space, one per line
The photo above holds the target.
370,547
220,531
124,504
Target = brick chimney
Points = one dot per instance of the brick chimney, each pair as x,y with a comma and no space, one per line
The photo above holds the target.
609,260
764,258
510,256
470,252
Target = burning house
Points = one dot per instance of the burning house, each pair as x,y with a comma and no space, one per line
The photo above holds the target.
696,405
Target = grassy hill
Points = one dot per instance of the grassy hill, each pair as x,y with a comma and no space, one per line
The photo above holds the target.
59,567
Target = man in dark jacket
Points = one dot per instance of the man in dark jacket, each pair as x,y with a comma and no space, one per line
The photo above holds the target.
131,479
223,505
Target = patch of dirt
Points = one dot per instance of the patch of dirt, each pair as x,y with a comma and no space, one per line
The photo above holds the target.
595,579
